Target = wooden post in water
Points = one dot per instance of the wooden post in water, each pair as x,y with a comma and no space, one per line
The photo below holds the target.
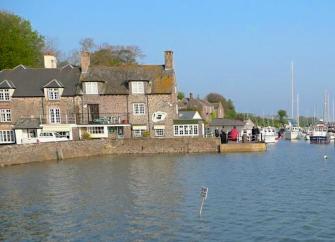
203,195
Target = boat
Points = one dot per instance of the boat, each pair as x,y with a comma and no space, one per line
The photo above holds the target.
292,131
319,134
269,135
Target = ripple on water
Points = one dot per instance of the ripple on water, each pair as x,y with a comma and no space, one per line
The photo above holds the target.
284,194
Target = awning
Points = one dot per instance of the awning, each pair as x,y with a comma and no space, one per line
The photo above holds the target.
159,126
57,128
139,127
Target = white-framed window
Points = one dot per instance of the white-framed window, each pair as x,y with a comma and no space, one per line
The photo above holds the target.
54,115
159,132
138,108
91,88
96,130
137,87
5,115
186,130
4,95
7,136
138,132
53,94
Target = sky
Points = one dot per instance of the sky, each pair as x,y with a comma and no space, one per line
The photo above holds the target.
241,49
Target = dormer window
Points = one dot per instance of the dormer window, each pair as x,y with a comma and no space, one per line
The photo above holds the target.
91,88
7,89
4,95
53,94
53,90
137,87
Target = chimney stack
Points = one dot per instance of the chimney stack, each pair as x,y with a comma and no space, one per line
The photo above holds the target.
50,60
168,60
84,61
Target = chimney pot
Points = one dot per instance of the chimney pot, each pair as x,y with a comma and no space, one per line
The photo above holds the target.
84,61
168,60
50,60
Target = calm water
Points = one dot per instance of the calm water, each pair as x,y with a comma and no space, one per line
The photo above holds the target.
284,194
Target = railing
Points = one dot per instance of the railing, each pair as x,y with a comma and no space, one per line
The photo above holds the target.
102,118
82,118
58,119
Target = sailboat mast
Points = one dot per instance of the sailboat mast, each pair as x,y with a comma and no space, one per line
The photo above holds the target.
298,121
333,111
325,107
292,89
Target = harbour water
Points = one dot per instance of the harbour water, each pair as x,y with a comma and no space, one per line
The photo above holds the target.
284,194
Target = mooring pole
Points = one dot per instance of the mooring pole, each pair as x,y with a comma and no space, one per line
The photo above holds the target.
203,195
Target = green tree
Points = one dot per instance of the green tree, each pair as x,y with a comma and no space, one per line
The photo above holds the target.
19,43
109,55
180,96
106,54
282,115
228,105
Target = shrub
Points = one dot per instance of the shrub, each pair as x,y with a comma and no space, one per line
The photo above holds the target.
146,134
86,135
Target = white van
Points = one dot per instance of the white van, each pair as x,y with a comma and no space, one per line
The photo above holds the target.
50,137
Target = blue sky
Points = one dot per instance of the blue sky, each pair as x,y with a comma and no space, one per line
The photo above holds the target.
241,49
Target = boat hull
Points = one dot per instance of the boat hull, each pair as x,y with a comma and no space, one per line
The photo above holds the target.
319,140
270,139
291,135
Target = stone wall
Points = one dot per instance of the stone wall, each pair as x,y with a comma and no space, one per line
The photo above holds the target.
19,154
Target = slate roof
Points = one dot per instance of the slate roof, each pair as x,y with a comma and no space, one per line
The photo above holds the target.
227,122
5,84
54,84
117,78
29,82
192,103
186,115
27,123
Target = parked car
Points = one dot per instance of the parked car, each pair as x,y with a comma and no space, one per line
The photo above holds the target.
50,137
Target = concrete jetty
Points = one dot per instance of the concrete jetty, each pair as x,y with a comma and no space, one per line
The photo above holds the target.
242,147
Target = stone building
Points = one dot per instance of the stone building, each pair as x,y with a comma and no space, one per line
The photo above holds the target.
207,110
128,100
104,102
32,99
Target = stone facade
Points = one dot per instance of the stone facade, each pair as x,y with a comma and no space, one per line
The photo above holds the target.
111,107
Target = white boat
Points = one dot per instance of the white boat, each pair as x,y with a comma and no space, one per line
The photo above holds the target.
269,135
320,134
292,133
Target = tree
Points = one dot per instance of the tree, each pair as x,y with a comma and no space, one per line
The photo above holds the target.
180,96
19,43
51,47
282,115
228,106
87,44
109,55
105,54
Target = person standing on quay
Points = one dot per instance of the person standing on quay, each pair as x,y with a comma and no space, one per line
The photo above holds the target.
234,134
223,136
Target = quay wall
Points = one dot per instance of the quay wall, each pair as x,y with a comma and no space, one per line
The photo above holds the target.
26,153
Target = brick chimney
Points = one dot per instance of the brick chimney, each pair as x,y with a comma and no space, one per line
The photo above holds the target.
168,60
84,61
50,60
